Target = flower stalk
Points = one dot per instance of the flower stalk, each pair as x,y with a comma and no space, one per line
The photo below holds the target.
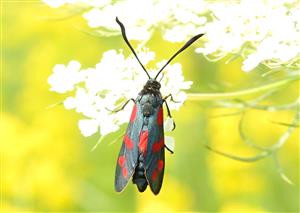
242,93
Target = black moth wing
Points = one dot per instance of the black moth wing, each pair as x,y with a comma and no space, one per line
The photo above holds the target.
127,159
155,157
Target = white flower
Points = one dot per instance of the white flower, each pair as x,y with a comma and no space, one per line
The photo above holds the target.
88,126
261,31
170,143
138,16
70,103
169,125
64,77
109,84
251,62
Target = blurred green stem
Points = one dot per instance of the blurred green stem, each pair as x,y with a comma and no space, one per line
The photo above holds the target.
238,94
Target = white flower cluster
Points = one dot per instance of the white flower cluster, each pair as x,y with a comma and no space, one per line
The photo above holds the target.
139,17
261,31
115,79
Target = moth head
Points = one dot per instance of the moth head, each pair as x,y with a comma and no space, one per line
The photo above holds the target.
152,84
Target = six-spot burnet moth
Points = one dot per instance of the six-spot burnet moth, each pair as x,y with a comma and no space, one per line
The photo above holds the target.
142,155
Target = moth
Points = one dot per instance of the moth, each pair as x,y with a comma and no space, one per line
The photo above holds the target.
142,154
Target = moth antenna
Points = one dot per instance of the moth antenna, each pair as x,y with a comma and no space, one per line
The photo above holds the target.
129,45
187,44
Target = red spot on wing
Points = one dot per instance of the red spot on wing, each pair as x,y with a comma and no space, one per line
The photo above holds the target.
143,141
160,116
121,160
124,172
133,114
154,175
160,165
157,146
128,142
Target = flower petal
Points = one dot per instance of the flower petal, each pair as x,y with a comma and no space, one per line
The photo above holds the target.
88,127
169,125
70,103
170,143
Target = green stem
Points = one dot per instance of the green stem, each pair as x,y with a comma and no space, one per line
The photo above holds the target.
260,156
237,94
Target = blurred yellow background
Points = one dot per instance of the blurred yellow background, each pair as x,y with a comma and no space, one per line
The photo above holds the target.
48,166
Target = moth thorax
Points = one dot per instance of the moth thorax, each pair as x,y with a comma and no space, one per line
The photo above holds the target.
146,120
147,109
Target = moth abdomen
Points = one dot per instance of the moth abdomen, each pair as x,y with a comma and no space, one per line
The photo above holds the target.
139,175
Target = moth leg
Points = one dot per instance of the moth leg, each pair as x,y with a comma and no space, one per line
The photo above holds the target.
124,105
169,149
172,99
169,113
